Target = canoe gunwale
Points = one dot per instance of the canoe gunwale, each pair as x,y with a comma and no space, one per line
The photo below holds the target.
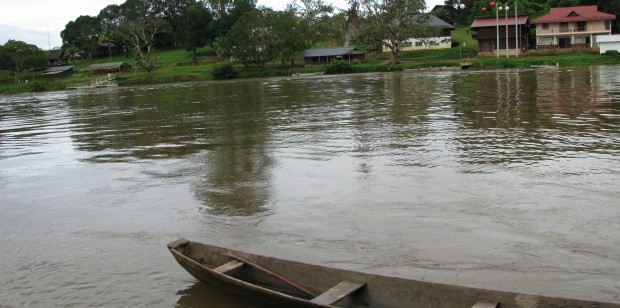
223,277
379,290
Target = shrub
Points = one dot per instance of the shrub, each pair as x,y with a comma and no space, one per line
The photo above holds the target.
38,86
613,53
224,71
338,67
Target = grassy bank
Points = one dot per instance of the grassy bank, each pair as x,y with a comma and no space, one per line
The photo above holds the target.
176,66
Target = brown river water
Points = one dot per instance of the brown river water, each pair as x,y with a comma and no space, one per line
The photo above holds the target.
496,179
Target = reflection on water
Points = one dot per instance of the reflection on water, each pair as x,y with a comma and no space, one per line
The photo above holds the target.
201,295
505,179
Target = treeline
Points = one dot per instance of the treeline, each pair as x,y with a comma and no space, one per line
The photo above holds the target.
235,28
239,30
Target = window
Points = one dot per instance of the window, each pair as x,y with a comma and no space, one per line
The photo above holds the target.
563,27
545,26
418,44
607,24
406,44
582,26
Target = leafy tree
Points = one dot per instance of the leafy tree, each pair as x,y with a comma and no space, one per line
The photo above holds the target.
232,12
197,21
251,39
17,56
287,35
82,33
136,9
140,35
315,19
337,27
392,21
353,24
173,12
110,19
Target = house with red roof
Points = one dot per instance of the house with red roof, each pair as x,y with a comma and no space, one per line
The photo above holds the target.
513,33
575,26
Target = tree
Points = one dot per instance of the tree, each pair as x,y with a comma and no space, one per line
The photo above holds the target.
110,19
17,56
229,13
173,12
197,22
392,21
315,19
82,33
140,35
287,35
251,39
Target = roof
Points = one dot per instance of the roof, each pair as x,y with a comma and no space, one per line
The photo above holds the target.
58,68
435,21
440,7
330,52
106,66
574,13
491,21
55,54
615,38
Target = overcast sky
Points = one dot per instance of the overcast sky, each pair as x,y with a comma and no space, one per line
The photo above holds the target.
39,22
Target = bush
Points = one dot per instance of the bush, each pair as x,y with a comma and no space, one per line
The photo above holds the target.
224,71
613,53
38,87
338,67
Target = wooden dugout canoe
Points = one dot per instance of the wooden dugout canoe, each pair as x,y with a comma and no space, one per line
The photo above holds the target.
282,283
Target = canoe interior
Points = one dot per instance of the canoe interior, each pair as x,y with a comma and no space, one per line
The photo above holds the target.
379,291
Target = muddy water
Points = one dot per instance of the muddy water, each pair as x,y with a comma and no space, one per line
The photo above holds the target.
497,179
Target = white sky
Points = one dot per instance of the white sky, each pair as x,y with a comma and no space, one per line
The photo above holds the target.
31,20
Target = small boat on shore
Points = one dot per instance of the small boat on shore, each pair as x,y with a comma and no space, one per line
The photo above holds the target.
282,283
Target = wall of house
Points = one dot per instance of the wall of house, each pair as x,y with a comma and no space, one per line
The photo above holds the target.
605,46
430,43
597,26
487,38
608,42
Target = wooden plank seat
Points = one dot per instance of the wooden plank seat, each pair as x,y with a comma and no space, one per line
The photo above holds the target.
485,304
234,264
337,292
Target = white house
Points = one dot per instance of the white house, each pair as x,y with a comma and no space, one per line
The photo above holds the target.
575,26
443,40
608,42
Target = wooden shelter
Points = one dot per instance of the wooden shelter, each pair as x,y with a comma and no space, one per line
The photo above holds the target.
58,71
109,67
486,32
322,56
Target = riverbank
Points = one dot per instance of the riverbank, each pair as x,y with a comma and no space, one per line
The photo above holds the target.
176,66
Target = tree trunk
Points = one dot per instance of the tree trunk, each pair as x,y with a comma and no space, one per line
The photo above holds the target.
194,58
17,70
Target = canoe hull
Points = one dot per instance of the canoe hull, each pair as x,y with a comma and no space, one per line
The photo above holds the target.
380,291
